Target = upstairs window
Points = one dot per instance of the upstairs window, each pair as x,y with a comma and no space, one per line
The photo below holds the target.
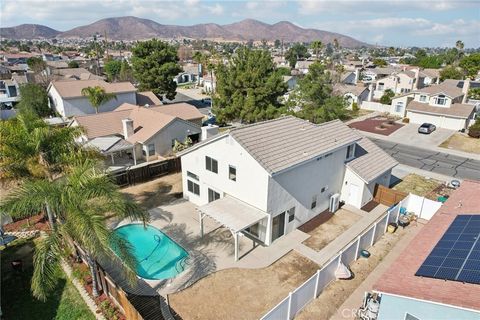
211,164
423,98
193,187
441,100
232,173
381,85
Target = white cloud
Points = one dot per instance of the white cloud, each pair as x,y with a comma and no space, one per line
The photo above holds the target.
216,9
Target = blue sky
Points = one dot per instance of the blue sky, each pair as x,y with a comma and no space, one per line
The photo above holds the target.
388,22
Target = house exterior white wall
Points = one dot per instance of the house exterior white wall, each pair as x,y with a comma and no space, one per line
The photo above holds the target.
81,106
163,140
399,105
399,83
297,187
438,120
364,191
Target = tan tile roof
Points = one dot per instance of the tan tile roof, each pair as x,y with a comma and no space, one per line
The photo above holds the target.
73,88
282,143
147,97
456,109
449,87
146,122
370,161
182,110
345,88
432,73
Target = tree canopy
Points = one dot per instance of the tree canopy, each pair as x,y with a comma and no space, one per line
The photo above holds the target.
314,99
296,52
34,99
155,63
379,62
248,87
112,69
73,64
387,97
97,96
451,72
471,64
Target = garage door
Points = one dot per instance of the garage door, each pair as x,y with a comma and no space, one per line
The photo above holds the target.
439,121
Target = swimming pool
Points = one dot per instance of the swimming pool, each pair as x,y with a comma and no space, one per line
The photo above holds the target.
158,256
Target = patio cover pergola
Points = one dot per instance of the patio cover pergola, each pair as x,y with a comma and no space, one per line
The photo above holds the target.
233,214
110,145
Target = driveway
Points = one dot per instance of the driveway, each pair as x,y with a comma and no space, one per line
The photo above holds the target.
408,134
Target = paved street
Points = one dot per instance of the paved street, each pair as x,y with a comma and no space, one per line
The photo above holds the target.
438,162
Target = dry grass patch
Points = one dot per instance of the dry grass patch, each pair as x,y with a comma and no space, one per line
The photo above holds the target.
462,142
331,229
418,185
243,293
329,301
157,192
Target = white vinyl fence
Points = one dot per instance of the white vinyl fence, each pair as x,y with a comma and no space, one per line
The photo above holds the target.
375,106
289,307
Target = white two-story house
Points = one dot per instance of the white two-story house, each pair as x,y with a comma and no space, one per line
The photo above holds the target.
443,105
266,179
399,83
65,97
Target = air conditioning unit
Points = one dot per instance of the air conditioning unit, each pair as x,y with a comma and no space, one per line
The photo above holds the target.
334,202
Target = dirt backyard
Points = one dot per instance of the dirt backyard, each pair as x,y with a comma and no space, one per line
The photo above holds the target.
243,293
327,304
417,185
157,192
331,229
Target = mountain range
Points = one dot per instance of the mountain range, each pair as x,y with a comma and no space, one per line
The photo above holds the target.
133,28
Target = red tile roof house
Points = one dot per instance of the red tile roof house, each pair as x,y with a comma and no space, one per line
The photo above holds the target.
143,133
407,296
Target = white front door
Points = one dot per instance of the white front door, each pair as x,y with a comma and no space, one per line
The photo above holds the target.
353,194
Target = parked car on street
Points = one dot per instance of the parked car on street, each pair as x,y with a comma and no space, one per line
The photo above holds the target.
427,128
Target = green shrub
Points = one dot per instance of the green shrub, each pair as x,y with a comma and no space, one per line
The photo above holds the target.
355,107
474,130
387,97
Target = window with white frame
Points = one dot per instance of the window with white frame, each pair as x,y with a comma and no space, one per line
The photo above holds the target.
193,187
211,164
232,173
423,98
381,85
399,106
213,195
151,149
440,100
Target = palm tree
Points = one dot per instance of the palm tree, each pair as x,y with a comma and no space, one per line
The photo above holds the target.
83,199
97,96
316,45
459,45
31,149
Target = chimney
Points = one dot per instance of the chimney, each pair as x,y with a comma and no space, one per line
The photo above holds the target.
127,128
465,88
417,78
357,75
370,92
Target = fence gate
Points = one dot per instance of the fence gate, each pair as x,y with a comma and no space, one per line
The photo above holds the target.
387,196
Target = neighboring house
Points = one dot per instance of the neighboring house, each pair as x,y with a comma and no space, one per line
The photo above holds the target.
444,105
373,74
443,249
291,82
353,93
181,110
352,65
399,83
66,96
147,98
144,133
303,65
429,77
190,74
209,83
271,177
57,64
73,74
10,91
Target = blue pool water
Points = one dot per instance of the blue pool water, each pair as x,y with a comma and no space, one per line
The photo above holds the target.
158,256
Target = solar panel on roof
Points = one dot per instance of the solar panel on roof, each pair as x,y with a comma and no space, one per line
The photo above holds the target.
456,256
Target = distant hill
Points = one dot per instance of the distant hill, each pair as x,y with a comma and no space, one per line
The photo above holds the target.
132,28
28,31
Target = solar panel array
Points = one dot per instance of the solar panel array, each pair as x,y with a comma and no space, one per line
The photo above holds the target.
457,254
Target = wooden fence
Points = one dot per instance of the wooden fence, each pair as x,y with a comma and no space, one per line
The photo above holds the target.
146,172
387,196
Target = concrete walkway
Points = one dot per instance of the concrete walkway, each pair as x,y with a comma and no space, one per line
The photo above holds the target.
354,301
333,248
